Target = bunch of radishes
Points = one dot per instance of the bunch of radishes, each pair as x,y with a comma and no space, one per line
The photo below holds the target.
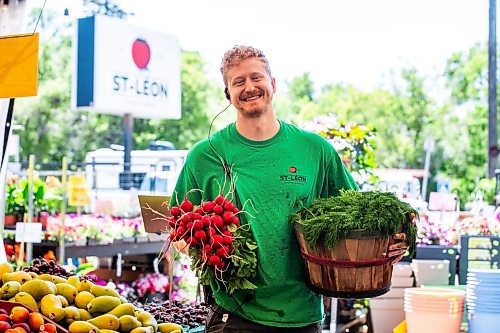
209,228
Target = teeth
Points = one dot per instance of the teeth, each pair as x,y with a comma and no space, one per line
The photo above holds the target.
251,98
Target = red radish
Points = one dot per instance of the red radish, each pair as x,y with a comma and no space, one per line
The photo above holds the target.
217,241
219,200
218,209
185,218
196,216
227,233
208,206
186,206
191,241
214,260
197,224
207,248
229,207
175,211
221,265
228,240
217,221
222,252
206,221
228,217
200,235
199,210
181,231
236,210
189,226
211,231
173,236
172,222
236,221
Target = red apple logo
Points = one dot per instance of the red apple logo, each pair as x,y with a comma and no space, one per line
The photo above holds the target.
141,53
292,169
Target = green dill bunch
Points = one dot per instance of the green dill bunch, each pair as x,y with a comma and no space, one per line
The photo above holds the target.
329,219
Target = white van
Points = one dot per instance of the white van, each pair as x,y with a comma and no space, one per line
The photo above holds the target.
104,168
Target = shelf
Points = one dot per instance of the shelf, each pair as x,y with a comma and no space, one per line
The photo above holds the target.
109,250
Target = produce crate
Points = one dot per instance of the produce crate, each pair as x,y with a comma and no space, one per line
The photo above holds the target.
7,306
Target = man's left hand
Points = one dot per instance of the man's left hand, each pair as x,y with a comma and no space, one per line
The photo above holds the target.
398,248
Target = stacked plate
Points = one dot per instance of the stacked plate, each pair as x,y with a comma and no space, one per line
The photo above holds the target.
433,310
483,300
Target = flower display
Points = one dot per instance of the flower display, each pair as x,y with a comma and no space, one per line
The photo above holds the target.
102,228
433,232
151,283
355,143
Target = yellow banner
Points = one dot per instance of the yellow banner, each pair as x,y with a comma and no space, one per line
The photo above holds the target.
18,65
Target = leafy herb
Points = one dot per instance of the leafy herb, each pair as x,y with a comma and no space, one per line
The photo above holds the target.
329,219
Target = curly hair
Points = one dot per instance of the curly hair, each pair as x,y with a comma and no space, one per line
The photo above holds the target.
237,54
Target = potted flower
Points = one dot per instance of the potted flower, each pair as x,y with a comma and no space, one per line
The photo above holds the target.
14,201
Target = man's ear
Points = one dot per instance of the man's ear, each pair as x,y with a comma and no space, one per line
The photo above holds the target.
273,83
226,92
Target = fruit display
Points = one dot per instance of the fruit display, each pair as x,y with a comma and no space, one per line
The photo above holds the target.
41,266
78,305
192,315
21,320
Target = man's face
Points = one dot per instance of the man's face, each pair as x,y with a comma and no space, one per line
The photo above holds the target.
250,87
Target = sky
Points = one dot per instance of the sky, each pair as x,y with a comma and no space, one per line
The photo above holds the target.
360,42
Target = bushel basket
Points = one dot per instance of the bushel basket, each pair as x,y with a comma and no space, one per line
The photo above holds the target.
356,268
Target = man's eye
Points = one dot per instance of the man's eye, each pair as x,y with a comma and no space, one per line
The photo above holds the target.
257,78
238,83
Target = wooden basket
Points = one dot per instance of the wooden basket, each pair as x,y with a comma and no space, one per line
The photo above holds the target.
356,268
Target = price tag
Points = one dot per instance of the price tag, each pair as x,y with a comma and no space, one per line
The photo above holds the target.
29,232
78,196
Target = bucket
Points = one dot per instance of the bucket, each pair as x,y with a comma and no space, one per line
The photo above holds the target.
356,268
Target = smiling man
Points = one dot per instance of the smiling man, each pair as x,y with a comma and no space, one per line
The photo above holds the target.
279,168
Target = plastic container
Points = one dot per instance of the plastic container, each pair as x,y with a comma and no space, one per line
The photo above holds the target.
386,313
431,272
481,322
431,321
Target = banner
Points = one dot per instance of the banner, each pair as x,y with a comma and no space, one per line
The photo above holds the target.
18,65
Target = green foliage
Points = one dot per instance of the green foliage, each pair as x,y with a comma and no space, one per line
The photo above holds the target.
329,219
242,268
354,143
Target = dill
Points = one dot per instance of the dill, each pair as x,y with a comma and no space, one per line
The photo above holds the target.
329,219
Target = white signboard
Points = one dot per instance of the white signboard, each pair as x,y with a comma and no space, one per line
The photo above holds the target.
121,69
29,232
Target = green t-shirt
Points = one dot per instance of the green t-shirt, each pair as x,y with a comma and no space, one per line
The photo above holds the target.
293,165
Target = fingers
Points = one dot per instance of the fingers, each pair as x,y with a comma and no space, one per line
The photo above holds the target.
396,253
401,236
397,259
402,245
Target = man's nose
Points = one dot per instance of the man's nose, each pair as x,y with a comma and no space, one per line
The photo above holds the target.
249,86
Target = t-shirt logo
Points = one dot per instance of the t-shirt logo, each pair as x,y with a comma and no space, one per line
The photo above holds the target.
292,176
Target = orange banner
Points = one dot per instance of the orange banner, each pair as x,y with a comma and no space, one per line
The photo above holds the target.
18,65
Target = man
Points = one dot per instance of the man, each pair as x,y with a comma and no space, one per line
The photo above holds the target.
279,168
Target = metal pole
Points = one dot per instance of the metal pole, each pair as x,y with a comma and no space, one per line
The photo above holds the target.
63,211
31,206
492,92
128,130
